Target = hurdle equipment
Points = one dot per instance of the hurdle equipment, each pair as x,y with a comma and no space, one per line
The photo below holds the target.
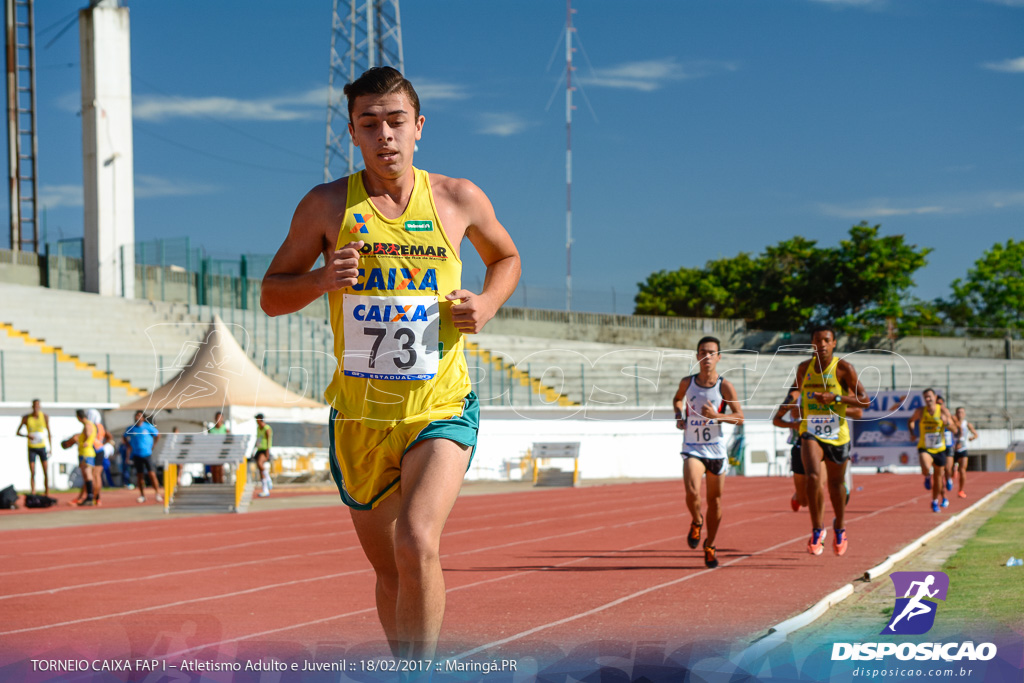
555,476
206,449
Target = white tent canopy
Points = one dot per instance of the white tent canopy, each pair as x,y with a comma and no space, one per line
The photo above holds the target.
220,377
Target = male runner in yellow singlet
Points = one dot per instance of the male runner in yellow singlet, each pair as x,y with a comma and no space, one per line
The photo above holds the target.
928,426
827,385
37,426
404,419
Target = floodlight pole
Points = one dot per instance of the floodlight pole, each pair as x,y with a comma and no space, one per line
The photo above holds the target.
569,11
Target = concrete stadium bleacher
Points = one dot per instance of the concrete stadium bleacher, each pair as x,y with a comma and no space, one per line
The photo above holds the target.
593,373
146,343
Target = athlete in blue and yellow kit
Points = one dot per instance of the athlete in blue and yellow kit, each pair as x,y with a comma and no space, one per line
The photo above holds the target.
404,418
827,386
929,425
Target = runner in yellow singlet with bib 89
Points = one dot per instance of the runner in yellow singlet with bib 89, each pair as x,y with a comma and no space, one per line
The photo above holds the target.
827,385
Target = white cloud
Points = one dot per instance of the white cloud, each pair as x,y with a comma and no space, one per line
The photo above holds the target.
436,91
650,75
971,202
55,196
309,104
152,186
291,108
879,209
1013,66
502,125
146,186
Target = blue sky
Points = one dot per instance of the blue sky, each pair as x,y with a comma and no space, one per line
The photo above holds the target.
706,128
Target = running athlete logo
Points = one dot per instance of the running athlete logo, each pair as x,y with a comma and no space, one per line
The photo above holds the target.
914,613
360,223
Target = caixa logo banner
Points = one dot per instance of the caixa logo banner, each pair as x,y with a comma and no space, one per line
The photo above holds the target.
914,612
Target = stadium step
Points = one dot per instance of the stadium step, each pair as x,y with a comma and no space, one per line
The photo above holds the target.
203,498
63,357
548,395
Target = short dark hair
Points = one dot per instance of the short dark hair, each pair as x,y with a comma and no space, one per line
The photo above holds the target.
36,400
927,390
80,413
380,80
710,339
825,327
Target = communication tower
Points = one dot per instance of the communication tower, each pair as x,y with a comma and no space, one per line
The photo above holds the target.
364,34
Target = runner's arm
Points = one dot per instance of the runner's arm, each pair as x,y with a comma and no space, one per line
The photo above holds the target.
498,252
677,402
289,284
974,434
785,407
24,423
49,434
912,424
732,401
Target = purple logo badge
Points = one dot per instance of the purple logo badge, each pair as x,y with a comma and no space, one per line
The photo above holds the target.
916,593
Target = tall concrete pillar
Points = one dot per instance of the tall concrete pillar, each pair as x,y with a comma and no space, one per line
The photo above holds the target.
108,185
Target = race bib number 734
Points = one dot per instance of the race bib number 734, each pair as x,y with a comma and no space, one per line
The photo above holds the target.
391,337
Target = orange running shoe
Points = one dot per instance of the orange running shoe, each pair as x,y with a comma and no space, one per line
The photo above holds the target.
962,494
693,538
710,561
794,503
839,542
816,545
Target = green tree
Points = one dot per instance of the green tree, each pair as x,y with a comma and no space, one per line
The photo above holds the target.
795,283
992,295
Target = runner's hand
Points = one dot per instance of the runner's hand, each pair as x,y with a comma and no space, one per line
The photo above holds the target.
709,411
472,311
342,269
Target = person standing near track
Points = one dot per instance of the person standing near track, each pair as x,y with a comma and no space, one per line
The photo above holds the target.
216,472
699,406
404,418
141,438
827,386
264,441
37,431
960,449
86,457
928,425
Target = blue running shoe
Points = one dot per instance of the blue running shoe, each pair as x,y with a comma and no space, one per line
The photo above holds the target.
949,484
945,503
928,482
935,506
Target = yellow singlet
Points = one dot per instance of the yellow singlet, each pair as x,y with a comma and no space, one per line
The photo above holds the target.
85,440
827,422
36,431
933,431
399,355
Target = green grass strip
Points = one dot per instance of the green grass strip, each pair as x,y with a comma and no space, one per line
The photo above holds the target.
982,589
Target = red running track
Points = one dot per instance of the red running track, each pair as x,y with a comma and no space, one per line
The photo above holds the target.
523,570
